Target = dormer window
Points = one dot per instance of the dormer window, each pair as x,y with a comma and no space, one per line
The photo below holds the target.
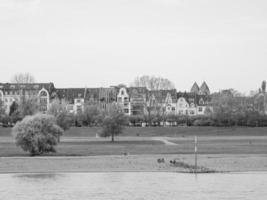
12,86
122,92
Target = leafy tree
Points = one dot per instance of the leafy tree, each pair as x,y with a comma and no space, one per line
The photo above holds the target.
153,83
90,114
59,110
4,118
23,78
14,106
37,134
113,122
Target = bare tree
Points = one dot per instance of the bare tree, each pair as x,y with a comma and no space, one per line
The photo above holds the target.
153,83
23,78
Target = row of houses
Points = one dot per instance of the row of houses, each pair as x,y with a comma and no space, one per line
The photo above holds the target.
133,100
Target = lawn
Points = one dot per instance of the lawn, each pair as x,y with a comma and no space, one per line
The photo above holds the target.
137,141
164,131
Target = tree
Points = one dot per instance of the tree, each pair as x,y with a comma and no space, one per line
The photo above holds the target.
230,108
3,115
59,110
28,106
113,122
153,83
14,107
23,78
90,114
37,134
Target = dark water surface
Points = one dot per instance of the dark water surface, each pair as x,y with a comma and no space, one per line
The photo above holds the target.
129,185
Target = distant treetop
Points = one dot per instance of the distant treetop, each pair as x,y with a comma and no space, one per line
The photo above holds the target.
23,78
153,83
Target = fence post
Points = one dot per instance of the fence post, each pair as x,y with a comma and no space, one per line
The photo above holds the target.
195,154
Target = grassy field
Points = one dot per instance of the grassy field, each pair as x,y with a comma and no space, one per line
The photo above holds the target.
164,131
220,149
143,141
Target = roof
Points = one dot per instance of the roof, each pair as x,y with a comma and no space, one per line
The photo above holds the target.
195,88
195,98
204,89
161,95
6,87
88,94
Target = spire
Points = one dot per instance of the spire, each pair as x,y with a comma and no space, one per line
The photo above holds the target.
204,89
195,88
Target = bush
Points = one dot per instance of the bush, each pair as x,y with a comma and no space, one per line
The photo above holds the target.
136,120
37,134
203,121
64,120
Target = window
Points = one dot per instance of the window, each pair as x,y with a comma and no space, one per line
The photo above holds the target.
126,110
78,100
200,109
192,112
173,108
201,101
122,92
125,98
79,109
119,99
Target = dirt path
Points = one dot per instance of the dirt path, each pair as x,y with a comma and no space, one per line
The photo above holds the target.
164,140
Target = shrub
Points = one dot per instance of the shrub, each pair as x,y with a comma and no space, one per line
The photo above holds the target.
136,120
203,121
37,134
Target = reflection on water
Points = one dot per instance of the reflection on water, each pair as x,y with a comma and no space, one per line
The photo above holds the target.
132,186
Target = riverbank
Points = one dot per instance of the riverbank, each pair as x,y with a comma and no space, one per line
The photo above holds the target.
132,163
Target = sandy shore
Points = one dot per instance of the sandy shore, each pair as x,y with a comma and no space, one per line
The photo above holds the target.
136,163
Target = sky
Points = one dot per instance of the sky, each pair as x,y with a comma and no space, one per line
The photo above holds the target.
98,43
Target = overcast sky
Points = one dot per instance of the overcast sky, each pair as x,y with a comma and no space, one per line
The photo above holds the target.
94,43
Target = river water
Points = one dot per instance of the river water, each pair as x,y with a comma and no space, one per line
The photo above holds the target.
129,186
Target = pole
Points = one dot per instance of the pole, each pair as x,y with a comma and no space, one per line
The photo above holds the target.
195,154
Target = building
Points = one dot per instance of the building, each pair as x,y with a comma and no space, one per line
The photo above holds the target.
12,92
133,100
